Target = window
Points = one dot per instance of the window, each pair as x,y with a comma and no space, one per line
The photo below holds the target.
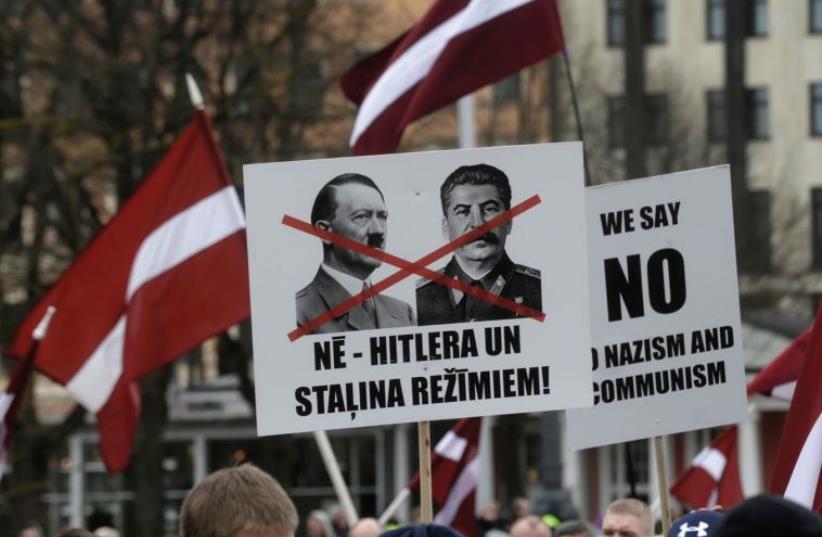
757,114
615,21
656,31
655,22
758,18
715,120
715,19
816,229
815,16
656,108
816,108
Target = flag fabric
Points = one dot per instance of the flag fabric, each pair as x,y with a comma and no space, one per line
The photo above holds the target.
778,378
798,470
458,46
10,404
167,272
713,477
454,476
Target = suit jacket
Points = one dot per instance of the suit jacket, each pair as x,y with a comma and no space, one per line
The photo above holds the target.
324,292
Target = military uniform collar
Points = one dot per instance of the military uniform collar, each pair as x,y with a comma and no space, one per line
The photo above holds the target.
493,282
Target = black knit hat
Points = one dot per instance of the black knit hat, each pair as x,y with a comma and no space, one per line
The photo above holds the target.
701,523
772,516
423,530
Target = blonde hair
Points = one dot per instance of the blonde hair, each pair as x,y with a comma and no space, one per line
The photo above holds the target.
634,507
243,498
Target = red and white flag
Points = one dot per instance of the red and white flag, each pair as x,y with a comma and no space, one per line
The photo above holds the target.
778,378
458,46
12,398
10,404
454,477
713,477
798,471
166,273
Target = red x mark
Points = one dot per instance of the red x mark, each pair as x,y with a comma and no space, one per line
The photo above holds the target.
419,267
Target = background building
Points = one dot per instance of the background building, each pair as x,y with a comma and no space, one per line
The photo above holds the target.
92,95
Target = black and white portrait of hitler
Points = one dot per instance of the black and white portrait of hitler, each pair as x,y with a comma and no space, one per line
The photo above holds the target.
470,196
353,206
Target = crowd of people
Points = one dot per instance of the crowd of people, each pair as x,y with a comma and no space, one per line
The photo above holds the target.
244,501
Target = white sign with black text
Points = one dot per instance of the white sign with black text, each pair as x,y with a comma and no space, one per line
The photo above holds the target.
665,325
418,286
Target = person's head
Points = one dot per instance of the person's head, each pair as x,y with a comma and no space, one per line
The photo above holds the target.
530,526
471,196
769,515
338,518
242,501
318,524
628,518
490,512
365,527
353,206
572,528
520,507
702,522
31,531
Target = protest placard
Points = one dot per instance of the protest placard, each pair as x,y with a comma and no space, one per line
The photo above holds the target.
353,322
665,327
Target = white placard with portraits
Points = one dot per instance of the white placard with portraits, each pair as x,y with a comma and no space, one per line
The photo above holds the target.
665,324
499,325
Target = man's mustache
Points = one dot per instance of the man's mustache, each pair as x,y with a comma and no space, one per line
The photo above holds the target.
488,237
375,240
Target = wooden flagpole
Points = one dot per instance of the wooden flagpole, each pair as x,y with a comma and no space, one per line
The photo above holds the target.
426,502
662,481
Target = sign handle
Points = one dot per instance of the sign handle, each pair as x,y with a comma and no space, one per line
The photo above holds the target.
426,503
662,481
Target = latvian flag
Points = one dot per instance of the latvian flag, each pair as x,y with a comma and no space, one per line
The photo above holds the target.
713,477
166,273
454,476
458,46
778,379
798,471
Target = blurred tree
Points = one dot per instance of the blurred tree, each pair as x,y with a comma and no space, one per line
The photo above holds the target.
91,95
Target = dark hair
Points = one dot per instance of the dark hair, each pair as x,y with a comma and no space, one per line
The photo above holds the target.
476,174
325,204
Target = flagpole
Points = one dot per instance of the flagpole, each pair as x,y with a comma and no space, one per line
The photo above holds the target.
466,123
567,63
394,505
194,92
662,480
426,502
19,378
333,469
